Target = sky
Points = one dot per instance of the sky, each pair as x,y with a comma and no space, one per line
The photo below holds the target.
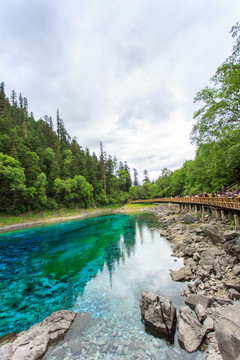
124,72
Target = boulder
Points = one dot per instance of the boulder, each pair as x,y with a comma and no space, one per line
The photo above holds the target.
193,300
189,219
183,274
228,338
159,315
230,234
212,231
190,331
232,247
33,343
188,251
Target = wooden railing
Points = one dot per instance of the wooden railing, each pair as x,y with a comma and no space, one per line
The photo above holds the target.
220,202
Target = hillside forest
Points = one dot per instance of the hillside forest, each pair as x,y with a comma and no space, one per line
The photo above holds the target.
43,167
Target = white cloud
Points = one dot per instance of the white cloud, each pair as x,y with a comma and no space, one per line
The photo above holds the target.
121,72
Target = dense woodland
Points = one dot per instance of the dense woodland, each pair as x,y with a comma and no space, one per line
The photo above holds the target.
42,167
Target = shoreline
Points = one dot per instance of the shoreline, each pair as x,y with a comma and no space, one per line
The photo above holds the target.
84,214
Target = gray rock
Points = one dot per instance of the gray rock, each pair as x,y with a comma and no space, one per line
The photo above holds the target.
32,343
232,285
232,312
236,270
188,251
193,300
190,331
234,294
202,274
232,247
208,324
228,338
212,231
200,312
183,274
159,315
230,234
189,219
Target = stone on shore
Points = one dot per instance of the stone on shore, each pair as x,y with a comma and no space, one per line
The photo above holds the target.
228,337
212,231
183,274
159,315
33,343
193,300
190,331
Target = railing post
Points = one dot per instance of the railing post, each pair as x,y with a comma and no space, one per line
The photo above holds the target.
236,218
230,216
217,214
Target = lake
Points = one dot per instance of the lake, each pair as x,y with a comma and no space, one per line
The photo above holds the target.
95,265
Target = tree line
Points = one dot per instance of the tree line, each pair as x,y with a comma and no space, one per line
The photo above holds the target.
43,168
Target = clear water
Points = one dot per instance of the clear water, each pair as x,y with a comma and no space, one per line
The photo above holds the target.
96,265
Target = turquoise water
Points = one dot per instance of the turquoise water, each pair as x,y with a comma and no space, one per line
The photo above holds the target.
96,265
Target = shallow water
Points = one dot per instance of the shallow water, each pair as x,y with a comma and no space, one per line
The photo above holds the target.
96,265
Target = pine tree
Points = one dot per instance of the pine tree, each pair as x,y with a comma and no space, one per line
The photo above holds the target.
135,177
145,176
103,167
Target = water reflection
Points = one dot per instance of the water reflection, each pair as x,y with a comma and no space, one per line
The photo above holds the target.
44,269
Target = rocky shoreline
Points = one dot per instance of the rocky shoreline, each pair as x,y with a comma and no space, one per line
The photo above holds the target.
211,252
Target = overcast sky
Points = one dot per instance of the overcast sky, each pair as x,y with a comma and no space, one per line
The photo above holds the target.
123,72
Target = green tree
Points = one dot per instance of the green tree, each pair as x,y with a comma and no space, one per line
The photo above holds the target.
221,102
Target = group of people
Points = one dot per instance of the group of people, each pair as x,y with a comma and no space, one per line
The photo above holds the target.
231,194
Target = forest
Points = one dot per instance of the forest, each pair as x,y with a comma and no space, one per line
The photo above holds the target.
43,167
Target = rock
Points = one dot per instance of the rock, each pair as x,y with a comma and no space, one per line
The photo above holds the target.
159,315
232,247
188,239
236,270
188,251
189,219
190,331
232,312
183,274
200,312
164,233
32,343
228,338
212,232
208,324
232,285
234,294
202,274
206,260
193,300
230,234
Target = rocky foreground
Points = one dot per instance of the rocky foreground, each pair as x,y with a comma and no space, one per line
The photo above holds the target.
211,317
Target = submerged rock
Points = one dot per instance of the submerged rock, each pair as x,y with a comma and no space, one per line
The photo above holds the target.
159,315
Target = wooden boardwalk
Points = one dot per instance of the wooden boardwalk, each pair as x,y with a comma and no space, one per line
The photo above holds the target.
217,202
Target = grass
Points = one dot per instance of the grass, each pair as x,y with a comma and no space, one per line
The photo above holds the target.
136,207
46,216
52,215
